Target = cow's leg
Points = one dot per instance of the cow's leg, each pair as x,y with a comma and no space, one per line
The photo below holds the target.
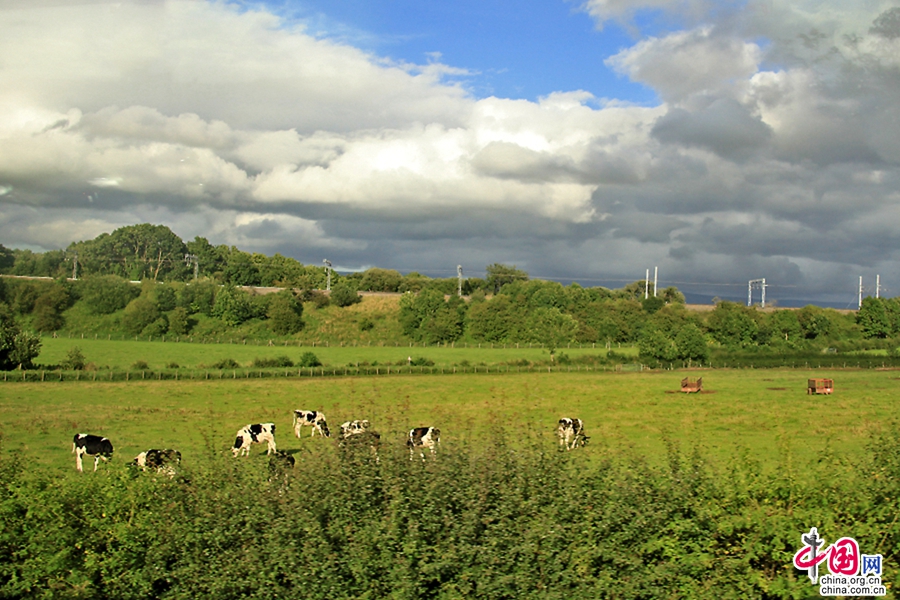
78,463
96,462
271,443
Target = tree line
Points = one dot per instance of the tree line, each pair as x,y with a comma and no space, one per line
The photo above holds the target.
505,307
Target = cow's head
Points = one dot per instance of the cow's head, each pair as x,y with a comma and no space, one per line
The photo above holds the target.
238,444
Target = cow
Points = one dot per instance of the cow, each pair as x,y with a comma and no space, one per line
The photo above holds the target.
349,428
423,437
256,433
311,418
92,445
162,461
571,433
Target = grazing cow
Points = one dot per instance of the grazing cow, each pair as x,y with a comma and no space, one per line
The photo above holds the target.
354,428
311,418
256,433
92,445
571,433
162,461
423,437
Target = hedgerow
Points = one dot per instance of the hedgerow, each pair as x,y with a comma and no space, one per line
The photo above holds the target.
486,522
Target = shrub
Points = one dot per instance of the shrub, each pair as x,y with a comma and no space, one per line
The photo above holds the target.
173,365
285,314
74,359
179,321
278,361
157,328
139,313
421,361
308,359
366,324
140,365
226,363
344,294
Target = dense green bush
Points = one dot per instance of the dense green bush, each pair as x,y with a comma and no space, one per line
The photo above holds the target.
486,522
105,294
139,313
308,359
276,361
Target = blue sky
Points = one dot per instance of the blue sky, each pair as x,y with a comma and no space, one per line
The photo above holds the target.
522,49
580,140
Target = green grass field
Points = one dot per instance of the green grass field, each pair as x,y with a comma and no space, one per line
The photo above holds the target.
123,353
765,413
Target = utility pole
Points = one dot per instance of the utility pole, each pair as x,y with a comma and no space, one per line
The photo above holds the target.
878,286
459,280
192,259
647,285
75,266
327,274
655,279
859,303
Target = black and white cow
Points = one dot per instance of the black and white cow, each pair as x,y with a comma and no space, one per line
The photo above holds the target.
349,428
571,433
311,418
423,437
92,445
256,433
161,461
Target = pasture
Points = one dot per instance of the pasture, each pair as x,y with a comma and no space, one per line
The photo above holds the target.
121,354
676,495
766,413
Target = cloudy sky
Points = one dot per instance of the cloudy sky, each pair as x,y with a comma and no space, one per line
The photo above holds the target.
584,140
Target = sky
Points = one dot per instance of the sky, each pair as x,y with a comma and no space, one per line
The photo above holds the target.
579,140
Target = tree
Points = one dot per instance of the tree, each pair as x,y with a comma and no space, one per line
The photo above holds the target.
232,306
499,275
285,313
814,322
732,325
381,280
655,346
7,259
783,327
429,318
344,294
550,328
490,320
240,269
690,344
873,319
17,348
49,306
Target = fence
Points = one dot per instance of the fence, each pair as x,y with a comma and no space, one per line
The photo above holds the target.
294,372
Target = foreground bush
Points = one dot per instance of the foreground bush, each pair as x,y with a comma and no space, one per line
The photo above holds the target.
491,523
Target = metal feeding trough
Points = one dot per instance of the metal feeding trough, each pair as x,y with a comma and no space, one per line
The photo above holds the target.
691,385
820,386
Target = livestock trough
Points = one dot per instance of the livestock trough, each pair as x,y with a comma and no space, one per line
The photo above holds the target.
820,386
691,385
